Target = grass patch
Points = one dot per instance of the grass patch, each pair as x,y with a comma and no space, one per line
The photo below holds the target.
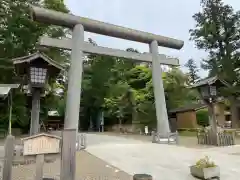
187,133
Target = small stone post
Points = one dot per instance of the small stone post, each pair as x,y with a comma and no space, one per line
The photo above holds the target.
39,166
8,157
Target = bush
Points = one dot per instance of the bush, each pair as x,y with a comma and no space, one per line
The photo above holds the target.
229,131
205,163
202,117
187,129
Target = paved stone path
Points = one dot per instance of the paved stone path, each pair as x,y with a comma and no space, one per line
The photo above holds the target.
163,162
111,157
88,168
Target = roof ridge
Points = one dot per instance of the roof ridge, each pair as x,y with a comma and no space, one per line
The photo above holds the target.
36,55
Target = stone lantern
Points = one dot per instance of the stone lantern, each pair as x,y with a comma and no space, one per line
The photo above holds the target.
36,69
209,91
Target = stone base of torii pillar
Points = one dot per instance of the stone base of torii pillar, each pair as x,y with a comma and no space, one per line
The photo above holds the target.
169,138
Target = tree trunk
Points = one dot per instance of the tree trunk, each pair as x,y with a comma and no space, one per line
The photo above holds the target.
213,123
120,124
134,115
234,112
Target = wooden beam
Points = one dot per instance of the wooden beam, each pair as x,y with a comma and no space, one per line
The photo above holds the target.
89,48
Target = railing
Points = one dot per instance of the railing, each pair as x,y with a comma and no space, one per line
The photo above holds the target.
223,138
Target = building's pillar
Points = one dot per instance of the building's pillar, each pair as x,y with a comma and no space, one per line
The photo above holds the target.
68,161
8,156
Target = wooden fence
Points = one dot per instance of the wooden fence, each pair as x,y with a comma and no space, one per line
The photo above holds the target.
223,138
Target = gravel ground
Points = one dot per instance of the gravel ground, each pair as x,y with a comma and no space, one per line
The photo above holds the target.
89,167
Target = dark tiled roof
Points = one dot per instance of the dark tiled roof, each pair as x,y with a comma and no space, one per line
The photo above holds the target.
34,56
209,81
191,107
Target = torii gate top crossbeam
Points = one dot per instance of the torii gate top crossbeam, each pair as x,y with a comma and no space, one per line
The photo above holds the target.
68,20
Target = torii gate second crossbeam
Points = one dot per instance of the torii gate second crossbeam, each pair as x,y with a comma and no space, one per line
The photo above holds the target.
78,47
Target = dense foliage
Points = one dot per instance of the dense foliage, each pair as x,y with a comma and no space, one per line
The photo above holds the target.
202,117
218,33
123,90
192,71
18,37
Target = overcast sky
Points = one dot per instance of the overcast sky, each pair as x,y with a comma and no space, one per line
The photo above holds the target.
171,18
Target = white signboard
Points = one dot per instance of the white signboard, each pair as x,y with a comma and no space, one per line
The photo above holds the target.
41,144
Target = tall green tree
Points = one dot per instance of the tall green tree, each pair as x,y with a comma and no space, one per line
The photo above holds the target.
217,31
19,35
95,85
192,71
176,92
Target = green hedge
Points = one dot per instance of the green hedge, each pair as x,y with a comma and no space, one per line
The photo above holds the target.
187,129
202,117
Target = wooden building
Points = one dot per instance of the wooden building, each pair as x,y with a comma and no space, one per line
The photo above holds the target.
185,117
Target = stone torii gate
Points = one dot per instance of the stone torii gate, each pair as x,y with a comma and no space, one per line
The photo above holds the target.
78,47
